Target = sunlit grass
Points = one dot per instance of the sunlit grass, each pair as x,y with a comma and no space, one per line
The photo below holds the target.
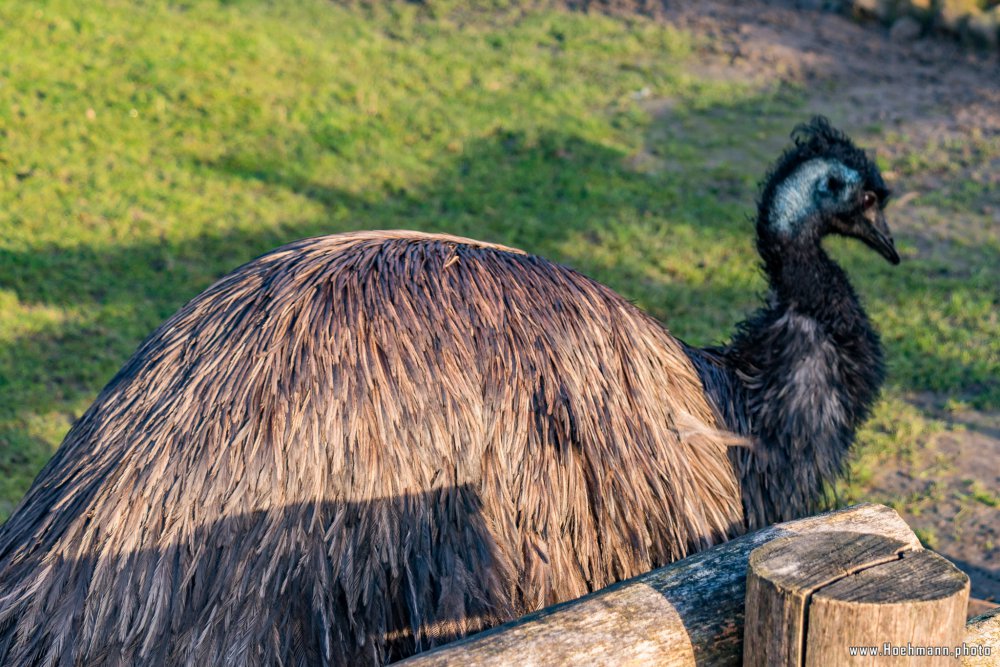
148,148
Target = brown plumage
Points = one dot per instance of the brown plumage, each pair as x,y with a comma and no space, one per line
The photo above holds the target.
357,447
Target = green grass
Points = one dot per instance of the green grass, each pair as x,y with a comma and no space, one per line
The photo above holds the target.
148,148
981,494
928,537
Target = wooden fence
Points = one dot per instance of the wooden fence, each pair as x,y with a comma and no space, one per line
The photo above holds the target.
819,586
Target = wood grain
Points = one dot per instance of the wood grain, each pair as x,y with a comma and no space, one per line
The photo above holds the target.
784,574
810,598
915,603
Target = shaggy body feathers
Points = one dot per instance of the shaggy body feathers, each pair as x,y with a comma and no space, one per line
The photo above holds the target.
359,446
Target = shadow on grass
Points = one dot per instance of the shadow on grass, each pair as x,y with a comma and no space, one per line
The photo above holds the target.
526,192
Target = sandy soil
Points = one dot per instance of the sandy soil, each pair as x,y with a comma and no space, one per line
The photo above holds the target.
939,478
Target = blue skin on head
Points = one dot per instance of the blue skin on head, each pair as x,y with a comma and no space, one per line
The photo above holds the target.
807,189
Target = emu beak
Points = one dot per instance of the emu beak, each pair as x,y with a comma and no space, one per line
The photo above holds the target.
875,233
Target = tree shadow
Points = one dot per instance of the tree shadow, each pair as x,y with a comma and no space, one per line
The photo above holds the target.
533,192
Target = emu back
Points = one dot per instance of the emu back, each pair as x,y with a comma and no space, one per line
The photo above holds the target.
357,447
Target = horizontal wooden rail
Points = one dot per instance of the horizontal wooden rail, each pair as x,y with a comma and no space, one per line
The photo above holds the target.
689,612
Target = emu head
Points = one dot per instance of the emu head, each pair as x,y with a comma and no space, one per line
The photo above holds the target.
822,185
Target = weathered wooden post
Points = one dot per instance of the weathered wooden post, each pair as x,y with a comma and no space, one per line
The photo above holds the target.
851,598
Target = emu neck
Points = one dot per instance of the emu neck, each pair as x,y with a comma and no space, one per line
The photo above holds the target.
804,279
808,367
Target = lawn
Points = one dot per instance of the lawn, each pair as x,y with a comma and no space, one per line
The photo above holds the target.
148,148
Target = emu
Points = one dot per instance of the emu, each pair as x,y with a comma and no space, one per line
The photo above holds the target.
360,446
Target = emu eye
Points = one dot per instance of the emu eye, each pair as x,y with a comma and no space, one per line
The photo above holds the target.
868,200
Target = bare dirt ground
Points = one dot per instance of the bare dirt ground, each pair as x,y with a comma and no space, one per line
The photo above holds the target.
937,94
949,468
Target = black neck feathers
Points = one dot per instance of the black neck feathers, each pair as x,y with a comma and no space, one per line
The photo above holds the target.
799,377
802,373
802,277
